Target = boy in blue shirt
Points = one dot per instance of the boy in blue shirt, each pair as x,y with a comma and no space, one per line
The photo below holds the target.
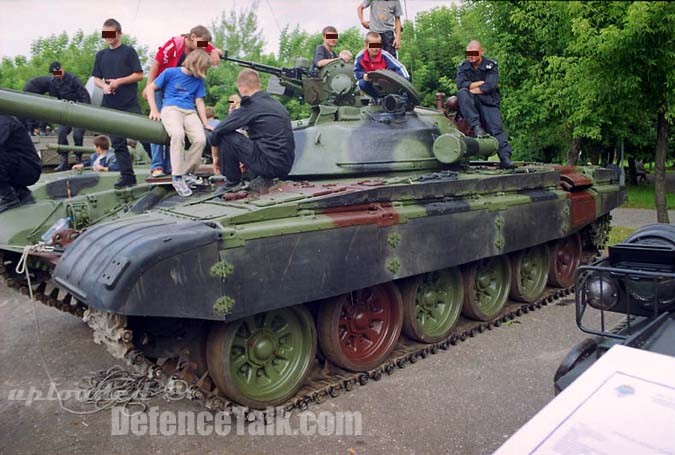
184,91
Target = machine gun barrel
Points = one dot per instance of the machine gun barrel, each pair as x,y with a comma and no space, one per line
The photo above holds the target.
289,77
93,118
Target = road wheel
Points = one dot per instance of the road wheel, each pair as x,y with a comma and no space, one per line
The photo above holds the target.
262,360
486,287
431,304
358,331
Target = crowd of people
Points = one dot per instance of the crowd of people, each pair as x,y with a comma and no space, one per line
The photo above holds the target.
257,134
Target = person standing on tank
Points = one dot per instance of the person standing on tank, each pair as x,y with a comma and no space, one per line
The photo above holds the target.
478,98
20,165
269,149
171,55
385,19
66,86
117,71
40,86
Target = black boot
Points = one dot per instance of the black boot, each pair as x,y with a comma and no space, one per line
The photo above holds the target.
8,198
78,158
24,195
64,163
125,181
505,162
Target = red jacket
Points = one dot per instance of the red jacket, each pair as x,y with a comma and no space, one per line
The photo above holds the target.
169,54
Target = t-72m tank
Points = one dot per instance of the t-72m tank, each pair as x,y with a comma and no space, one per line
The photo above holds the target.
384,227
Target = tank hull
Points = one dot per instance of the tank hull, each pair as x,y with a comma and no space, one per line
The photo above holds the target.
330,240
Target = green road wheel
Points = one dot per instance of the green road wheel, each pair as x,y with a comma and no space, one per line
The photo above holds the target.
432,304
262,360
529,273
358,331
486,287
564,260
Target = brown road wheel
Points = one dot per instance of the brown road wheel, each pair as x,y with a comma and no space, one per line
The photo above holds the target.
529,272
486,287
564,260
431,304
357,331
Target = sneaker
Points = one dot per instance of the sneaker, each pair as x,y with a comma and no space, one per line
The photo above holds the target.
192,180
125,181
159,172
181,186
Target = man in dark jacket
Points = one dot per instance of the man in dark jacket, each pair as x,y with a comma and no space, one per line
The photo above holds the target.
269,149
40,86
20,164
478,98
66,86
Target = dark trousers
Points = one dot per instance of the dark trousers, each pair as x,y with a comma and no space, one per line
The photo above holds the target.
64,131
235,148
78,138
18,171
388,42
476,110
119,145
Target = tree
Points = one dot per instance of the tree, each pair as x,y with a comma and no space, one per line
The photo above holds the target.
237,33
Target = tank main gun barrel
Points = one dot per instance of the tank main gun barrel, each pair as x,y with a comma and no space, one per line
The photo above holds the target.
99,119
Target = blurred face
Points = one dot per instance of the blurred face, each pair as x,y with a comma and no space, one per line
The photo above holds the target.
474,54
111,36
330,39
58,74
196,41
374,46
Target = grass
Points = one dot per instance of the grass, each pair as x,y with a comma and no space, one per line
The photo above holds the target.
618,234
642,197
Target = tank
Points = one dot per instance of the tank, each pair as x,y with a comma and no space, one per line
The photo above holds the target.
636,279
386,243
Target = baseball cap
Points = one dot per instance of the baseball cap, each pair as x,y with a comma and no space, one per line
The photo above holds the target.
54,66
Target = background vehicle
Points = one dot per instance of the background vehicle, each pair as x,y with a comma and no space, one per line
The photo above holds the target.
637,278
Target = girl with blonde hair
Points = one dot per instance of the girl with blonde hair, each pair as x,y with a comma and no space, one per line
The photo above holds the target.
183,114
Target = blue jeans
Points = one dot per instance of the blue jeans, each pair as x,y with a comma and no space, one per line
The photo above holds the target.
161,159
368,88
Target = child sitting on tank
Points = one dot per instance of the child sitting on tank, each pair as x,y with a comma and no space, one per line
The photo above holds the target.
183,114
103,160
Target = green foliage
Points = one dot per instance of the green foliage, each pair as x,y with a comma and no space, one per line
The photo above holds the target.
642,197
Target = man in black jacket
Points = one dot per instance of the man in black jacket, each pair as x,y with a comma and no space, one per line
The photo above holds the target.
66,86
269,149
478,98
38,85
20,164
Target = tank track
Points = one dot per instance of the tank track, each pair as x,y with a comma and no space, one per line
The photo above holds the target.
322,384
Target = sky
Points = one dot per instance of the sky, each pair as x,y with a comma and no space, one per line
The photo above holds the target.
153,22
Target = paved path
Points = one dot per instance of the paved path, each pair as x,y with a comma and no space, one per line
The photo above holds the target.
634,218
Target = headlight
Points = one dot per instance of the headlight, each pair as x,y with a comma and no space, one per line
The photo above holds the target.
602,292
